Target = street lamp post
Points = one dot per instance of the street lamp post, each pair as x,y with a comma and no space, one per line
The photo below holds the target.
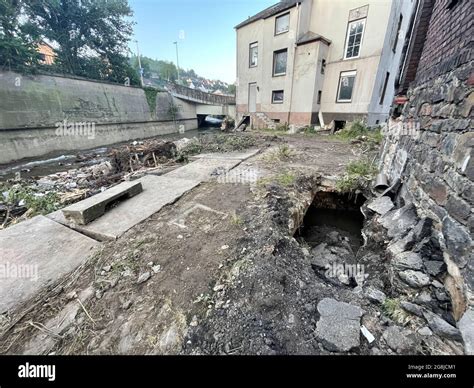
177,59
139,64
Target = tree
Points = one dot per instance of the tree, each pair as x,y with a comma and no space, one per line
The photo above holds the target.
231,89
17,41
92,35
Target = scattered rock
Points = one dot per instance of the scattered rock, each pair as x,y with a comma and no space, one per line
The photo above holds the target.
435,268
399,222
143,277
375,295
407,260
126,305
415,279
424,298
398,339
425,331
466,327
441,327
194,321
381,205
339,326
412,308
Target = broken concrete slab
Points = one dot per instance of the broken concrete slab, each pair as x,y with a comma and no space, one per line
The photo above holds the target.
242,155
381,205
35,253
89,209
339,326
158,191
204,169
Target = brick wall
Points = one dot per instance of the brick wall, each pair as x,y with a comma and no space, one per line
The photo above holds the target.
449,40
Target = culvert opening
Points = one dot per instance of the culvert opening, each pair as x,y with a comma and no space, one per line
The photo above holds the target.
333,217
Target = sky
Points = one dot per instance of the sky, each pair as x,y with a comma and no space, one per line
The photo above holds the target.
204,30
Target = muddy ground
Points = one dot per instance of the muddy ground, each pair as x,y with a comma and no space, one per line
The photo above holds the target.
217,272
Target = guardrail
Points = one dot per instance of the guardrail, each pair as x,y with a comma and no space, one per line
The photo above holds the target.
200,96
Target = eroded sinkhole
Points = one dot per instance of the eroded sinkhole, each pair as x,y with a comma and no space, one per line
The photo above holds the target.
331,217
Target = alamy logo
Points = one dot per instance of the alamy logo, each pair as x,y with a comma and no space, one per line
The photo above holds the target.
19,271
37,371
75,128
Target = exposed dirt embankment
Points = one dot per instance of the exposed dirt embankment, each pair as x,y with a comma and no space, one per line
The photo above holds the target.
220,272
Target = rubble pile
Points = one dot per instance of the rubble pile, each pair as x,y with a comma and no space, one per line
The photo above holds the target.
141,154
23,198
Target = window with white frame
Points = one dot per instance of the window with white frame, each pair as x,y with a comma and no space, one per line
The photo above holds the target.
277,97
253,54
355,32
279,62
282,24
346,86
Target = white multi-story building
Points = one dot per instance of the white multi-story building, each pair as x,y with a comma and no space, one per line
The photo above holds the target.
316,62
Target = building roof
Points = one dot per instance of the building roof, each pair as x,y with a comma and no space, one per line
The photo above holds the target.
311,36
281,6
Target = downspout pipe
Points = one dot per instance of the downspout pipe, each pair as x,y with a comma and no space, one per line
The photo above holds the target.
298,6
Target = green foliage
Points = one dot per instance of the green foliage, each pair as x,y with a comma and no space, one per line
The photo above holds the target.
358,176
150,94
308,130
282,127
283,152
164,70
231,89
37,203
17,40
90,37
391,308
357,131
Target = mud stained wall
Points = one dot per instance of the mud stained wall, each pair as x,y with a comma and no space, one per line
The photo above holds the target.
433,139
31,107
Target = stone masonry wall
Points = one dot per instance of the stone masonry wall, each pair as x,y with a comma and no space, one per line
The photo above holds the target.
431,148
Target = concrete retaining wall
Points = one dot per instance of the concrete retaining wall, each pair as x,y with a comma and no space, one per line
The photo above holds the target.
32,106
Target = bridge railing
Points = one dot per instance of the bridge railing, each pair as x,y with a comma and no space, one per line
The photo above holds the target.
201,96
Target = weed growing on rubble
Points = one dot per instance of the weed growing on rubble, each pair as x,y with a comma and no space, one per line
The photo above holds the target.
358,176
35,202
236,219
392,309
283,152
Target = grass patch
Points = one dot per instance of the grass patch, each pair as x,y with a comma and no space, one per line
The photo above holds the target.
285,179
358,131
236,219
357,176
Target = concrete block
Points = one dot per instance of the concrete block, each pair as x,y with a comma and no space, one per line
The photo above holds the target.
158,191
93,207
